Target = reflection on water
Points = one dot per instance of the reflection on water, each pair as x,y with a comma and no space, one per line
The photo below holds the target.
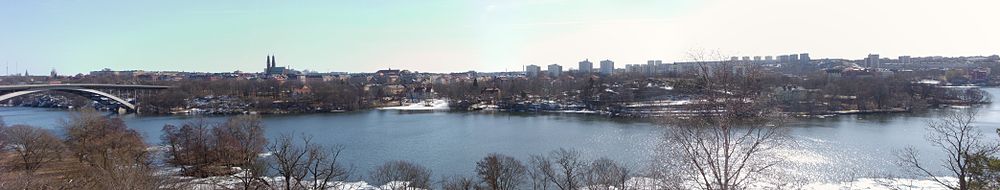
842,148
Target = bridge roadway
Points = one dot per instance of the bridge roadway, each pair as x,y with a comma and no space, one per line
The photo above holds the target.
91,91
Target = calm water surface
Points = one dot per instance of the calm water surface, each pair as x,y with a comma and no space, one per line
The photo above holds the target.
838,148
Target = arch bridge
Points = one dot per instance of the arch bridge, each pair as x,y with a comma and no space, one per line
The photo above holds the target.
107,94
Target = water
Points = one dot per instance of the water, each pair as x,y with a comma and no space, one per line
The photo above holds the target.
839,148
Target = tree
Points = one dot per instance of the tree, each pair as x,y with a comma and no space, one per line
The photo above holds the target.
323,168
607,174
3,138
111,156
984,171
459,183
193,148
961,141
241,138
402,175
500,172
726,139
289,161
103,142
34,146
563,168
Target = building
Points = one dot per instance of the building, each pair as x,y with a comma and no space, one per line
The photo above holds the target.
272,67
804,58
793,58
905,59
783,59
756,58
607,67
555,70
586,66
872,61
532,70
768,58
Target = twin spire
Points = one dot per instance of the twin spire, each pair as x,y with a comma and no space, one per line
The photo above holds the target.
271,61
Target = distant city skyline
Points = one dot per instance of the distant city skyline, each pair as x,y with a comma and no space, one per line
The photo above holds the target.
454,36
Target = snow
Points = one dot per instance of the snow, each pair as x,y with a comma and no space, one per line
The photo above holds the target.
577,111
883,183
232,181
426,105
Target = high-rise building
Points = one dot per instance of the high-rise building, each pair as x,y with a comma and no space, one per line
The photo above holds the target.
607,67
872,61
650,67
804,58
532,70
756,58
768,58
586,66
555,70
793,58
905,59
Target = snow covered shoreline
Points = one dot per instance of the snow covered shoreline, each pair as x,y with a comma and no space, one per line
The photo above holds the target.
639,183
426,105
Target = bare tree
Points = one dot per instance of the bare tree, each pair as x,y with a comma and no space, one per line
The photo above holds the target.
500,172
607,174
34,146
563,168
111,155
290,161
459,183
3,138
725,140
536,171
955,135
103,142
323,167
242,139
403,174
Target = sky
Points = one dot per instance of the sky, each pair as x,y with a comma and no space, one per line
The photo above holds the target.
78,36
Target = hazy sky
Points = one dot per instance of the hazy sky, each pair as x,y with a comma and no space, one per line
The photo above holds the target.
76,36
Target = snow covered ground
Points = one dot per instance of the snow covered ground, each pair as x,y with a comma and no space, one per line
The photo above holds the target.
426,105
638,183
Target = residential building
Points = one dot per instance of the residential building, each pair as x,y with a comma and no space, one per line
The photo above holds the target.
555,70
586,66
532,70
607,67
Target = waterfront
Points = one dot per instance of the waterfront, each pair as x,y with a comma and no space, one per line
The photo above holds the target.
840,148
